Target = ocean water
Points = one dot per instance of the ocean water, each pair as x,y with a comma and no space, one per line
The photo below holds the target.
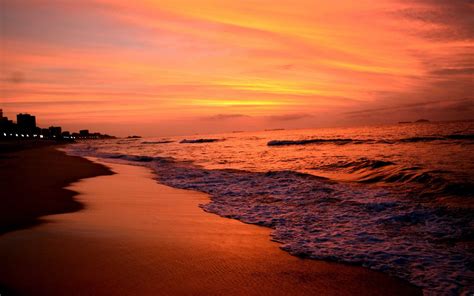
398,199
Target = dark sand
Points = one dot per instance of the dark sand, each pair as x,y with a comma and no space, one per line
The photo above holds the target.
137,237
32,179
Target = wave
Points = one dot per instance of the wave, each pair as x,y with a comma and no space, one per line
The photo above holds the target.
157,142
342,141
427,182
405,236
362,163
461,137
137,158
198,141
321,219
421,139
126,141
457,137
309,141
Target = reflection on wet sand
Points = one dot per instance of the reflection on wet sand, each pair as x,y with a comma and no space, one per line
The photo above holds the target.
137,237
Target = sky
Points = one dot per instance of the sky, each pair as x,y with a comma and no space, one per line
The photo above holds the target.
176,67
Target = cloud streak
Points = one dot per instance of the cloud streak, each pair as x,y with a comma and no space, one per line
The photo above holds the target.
453,109
289,117
219,117
298,62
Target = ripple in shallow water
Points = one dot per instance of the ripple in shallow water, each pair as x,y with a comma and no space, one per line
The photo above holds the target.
322,219
386,210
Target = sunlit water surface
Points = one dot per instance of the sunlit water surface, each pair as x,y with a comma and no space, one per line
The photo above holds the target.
393,198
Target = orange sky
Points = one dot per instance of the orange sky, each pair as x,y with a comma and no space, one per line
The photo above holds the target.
181,67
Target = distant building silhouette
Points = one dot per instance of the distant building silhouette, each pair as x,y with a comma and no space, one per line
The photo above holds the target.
55,131
84,133
45,133
26,128
26,121
5,124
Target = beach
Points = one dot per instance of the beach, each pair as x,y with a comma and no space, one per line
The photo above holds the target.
33,177
236,148
373,197
134,236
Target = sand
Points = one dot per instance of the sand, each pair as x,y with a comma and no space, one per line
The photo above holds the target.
33,175
137,237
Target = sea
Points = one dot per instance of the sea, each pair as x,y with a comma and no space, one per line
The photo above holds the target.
394,198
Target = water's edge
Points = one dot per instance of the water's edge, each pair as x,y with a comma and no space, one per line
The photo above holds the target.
315,218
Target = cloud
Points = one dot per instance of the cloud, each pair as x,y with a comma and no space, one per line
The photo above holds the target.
297,63
464,105
449,20
56,102
225,116
289,117
453,71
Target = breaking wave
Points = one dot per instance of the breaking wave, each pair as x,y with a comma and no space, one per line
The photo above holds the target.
199,141
342,141
157,142
309,141
427,182
406,236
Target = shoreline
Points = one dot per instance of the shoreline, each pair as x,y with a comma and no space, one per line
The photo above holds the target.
33,180
183,240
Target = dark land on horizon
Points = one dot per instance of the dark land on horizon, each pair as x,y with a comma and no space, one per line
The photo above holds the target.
25,128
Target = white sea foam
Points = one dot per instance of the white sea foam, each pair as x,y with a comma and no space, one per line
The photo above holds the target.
384,206
322,219
340,222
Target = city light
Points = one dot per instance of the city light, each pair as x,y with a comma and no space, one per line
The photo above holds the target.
25,127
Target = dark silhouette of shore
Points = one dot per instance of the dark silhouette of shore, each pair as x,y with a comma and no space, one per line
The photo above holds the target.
33,177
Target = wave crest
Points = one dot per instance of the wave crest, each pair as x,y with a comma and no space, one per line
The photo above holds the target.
199,141
403,235
343,141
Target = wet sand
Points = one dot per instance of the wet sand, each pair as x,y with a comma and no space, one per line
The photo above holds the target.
137,237
33,175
